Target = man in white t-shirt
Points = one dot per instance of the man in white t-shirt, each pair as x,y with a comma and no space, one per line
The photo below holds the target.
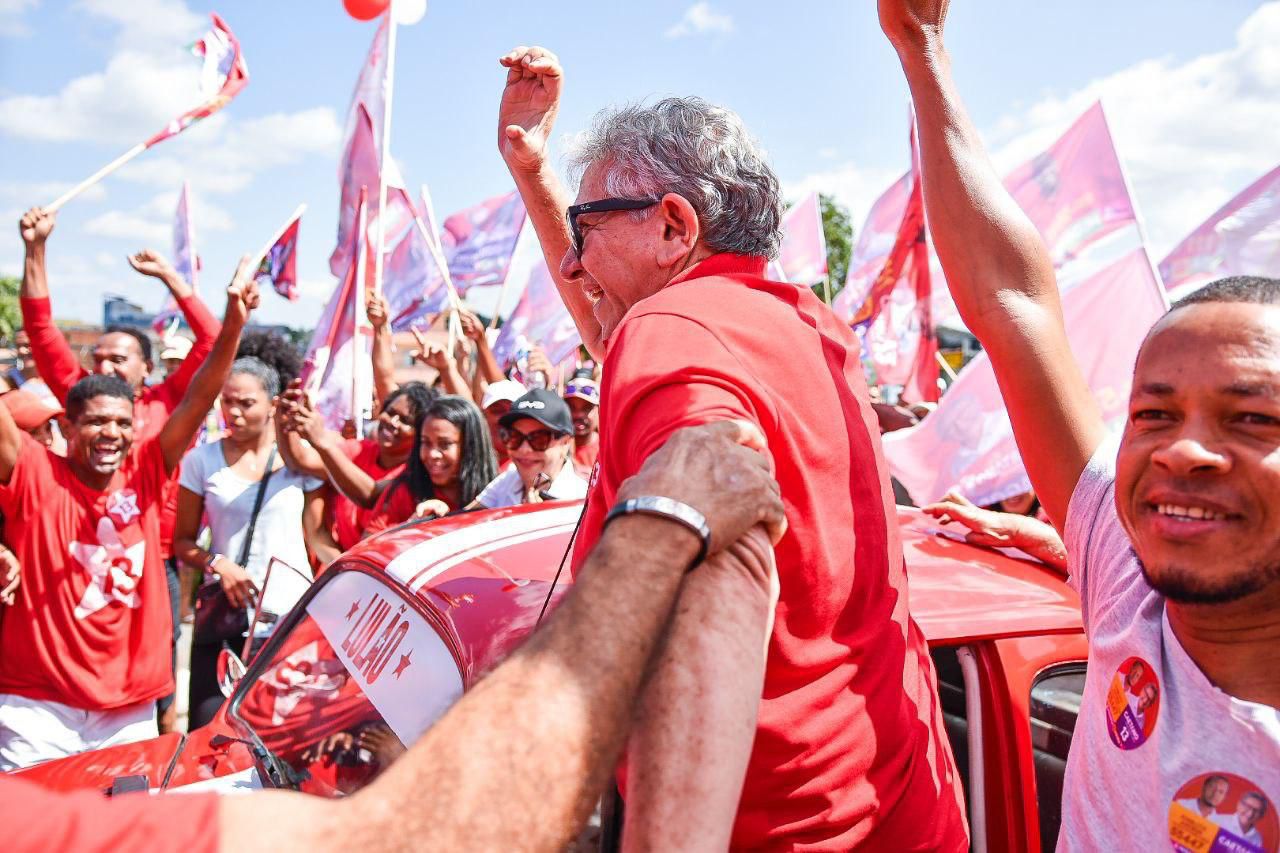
1173,542
538,435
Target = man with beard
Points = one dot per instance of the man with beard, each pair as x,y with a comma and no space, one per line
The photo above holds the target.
1174,543
87,643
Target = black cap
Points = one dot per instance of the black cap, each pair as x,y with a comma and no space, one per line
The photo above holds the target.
545,407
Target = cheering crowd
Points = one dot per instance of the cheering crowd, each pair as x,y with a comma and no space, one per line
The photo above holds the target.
740,619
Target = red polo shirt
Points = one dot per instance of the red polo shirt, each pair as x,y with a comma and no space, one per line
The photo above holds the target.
850,748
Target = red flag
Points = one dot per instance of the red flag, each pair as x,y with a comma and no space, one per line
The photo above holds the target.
280,266
225,74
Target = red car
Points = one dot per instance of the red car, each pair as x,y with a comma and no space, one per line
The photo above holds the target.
389,637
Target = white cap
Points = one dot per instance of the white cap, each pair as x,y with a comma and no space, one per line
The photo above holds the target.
175,347
506,389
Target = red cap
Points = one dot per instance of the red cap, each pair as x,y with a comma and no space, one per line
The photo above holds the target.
28,410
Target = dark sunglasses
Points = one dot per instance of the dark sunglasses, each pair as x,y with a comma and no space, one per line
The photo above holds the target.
604,205
590,389
539,440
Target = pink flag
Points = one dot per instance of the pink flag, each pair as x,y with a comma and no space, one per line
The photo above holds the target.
411,281
967,444
803,258
360,169
876,239
1075,192
223,76
370,93
185,262
480,240
1243,238
540,316
337,354
280,265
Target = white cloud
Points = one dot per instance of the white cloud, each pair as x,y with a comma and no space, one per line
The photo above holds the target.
163,23
700,19
151,223
11,17
1191,134
137,227
31,193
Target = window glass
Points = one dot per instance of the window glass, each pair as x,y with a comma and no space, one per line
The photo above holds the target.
357,679
1055,704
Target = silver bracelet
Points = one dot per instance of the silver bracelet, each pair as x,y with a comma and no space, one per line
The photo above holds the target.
670,509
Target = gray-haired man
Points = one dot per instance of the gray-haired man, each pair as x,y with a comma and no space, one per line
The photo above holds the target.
661,263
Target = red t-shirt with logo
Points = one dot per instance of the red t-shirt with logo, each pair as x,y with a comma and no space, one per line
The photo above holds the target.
37,819
349,520
91,626
850,748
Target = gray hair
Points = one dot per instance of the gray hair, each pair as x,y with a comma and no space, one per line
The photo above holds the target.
697,150
260,370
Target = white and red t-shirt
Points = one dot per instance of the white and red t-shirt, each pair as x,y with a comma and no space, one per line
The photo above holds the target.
91,627
850,749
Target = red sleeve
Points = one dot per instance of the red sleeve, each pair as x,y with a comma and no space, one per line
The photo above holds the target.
394,507
668,372
55,362
32,469
89,821
206,330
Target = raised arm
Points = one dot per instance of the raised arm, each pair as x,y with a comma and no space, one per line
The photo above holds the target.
203,325
384,356
181,428
487,369
997,267
526,115
55,362
305,422
439,360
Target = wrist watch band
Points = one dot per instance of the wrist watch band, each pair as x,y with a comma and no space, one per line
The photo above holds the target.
212,561
671,509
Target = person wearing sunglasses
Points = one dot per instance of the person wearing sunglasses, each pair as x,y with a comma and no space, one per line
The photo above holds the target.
661,261
582,394
538,435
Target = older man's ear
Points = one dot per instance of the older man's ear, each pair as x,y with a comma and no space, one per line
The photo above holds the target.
680,231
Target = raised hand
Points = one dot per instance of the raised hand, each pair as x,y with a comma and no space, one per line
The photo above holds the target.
719,470
242,293
471,325
539,363
36,226
910,24
152,263
529,105
377,309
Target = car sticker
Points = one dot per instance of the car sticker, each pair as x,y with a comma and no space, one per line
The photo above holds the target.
400,662
1222,812
1133,703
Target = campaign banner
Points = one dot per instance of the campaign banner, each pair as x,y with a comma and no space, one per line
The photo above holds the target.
803,256
279,267
967,443
540,317
479,241
1242,238
875,241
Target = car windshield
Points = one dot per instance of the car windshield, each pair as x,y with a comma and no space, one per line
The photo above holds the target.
351,682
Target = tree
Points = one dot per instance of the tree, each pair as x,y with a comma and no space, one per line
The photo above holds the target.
10,313
838,232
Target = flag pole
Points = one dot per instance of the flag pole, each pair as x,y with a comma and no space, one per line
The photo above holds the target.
361,318
96,177
262,253
433,243
386,146
946,368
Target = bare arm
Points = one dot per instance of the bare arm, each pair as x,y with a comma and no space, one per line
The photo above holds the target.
318,536
151,263
186,529
526,116
384,356
546,758
487,369
1002,530
175,437
360,488
997,267
439,360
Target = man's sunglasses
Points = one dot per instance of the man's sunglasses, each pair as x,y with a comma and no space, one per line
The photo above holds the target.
604,205
539,440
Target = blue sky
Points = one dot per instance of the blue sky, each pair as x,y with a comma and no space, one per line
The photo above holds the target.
1190,90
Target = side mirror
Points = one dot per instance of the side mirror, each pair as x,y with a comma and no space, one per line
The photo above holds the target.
230,670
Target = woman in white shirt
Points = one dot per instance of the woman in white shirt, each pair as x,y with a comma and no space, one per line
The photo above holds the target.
220,482
538,435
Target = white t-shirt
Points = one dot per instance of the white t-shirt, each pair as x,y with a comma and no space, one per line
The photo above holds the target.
507,489
1125,789
228,503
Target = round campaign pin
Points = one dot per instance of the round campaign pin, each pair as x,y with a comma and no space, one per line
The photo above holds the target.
1223,812
1133,703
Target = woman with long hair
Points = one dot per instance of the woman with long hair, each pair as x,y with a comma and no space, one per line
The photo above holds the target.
354,466
451,463
256,509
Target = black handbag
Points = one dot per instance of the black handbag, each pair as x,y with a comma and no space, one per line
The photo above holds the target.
216,621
